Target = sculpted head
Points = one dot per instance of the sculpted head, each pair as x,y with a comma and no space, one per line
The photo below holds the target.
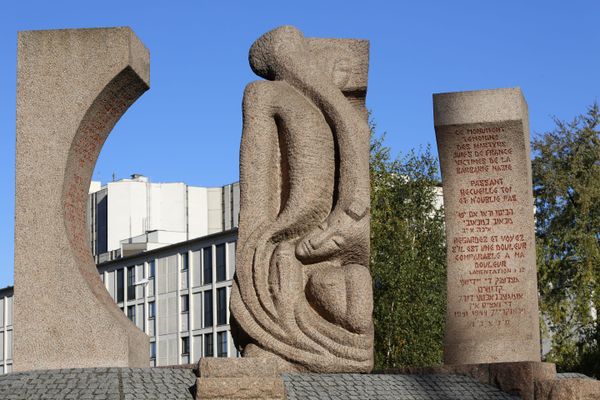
271,53
344,62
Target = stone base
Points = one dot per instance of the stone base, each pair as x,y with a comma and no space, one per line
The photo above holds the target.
567,389
519,378
239,378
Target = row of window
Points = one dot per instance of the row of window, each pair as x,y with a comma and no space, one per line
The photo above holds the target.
207,316
207,270
207,264
208,346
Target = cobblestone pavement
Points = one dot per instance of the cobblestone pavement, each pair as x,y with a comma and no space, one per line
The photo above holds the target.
99,383
177,383
388,387
571,375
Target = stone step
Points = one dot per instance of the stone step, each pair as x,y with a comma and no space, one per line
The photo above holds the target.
240,388
239,378
237,367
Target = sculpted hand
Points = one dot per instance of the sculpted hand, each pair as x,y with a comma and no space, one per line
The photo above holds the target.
342,230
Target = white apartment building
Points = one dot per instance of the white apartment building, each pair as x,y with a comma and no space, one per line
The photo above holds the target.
178,295
129,216
166,255
6,330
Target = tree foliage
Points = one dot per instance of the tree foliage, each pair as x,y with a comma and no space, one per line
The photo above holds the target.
566,179
407,258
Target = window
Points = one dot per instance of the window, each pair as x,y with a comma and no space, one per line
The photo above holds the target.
151,269
120,285
131,313
185,303
222,341
221,306
185,261
208,311
208,345
151,310
185,346
102,224
207,265
142,317
152,350
130,283
220,250
231,258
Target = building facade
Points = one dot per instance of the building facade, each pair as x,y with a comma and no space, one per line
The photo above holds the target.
6,329
179,296
166,254
133,215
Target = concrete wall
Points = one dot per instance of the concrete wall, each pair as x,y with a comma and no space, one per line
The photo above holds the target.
197,211
131,207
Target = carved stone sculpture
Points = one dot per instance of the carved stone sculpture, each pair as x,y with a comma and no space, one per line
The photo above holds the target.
302,292
73,85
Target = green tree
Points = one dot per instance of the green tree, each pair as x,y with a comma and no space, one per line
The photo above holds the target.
407,258
566,182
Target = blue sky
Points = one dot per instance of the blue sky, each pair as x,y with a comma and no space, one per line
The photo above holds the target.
187,126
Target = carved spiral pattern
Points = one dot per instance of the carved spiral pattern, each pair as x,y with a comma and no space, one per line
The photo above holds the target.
302,291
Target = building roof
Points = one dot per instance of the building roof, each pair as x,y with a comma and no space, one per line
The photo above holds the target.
191,242
7,291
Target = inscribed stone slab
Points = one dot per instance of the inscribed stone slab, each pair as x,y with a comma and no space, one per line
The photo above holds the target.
483,143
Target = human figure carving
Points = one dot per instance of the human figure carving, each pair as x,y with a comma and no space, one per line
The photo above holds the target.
302,291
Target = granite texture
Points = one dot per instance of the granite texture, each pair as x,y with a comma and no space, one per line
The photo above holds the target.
237,367
483,144
73,85
240,388
520,377
239,378
568,389
302,291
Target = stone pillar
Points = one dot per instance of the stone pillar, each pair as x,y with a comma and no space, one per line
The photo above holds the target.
72,87
483,144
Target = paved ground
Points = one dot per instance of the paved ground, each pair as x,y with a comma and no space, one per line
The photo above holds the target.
177,383
99,383
571,375
388,387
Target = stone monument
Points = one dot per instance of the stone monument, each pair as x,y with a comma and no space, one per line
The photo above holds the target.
483,144
302,292
72,87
